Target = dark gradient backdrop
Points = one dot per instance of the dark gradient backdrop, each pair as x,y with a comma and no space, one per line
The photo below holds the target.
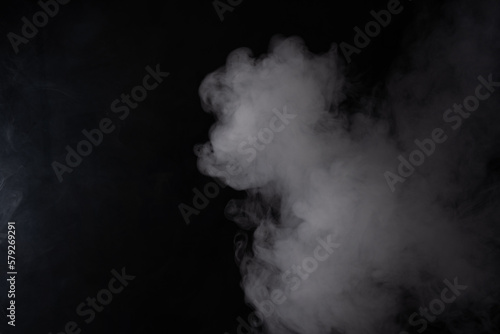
119,208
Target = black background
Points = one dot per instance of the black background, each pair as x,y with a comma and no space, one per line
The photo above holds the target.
119,208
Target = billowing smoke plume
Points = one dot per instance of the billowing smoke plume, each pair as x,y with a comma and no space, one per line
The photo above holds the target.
334,249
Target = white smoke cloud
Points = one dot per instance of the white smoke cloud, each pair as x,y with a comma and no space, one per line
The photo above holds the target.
323,174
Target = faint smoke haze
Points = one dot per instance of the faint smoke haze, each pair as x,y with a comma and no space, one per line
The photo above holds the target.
323,174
